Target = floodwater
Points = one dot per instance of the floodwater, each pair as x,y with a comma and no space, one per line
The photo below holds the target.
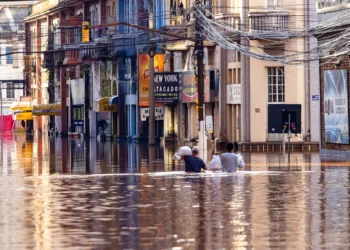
65,194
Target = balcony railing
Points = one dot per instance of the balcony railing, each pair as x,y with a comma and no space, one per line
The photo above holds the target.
29,63
231,19
268,21
124,46
100,49
179,16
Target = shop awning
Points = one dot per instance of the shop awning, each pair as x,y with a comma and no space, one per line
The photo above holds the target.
113,100
21,106
47,109
102,105
20,116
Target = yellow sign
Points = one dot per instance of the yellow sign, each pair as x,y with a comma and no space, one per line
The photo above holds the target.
85,32
101,105
143,73
23,116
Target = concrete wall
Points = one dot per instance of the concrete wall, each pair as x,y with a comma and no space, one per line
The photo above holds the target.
294,90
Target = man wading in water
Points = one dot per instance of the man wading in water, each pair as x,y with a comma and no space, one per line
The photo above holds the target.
194,164
229,160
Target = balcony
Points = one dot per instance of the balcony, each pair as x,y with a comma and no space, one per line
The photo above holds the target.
268,21
29,63
71,55
102,48
124,45
179,17
231,20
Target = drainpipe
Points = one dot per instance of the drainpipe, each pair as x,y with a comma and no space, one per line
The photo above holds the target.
307,73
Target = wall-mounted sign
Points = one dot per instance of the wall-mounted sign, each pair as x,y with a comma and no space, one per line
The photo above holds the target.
102,105
143,75
233,94
12,84
336,115
315,98
209,124
159,113
78,123
77,89
167,87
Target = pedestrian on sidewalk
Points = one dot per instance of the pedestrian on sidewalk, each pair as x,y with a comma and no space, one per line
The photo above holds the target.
229,160
193,162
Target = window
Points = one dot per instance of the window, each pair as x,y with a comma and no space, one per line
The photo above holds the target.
9,56
276,84
10,92
212,80
274,3
113,9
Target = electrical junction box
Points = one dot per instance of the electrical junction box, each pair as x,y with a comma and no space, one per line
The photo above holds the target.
278,118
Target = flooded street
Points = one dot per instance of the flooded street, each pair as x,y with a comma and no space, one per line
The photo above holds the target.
64,194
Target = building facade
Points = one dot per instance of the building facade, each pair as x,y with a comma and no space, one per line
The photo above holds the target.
11,62
334,80
109,65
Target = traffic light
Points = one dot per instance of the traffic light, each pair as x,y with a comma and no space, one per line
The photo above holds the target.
85,32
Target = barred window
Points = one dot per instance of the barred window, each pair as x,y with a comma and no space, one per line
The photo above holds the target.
276,84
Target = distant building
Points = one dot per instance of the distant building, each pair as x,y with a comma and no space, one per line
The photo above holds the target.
12,40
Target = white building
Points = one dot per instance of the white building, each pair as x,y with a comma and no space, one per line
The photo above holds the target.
12,40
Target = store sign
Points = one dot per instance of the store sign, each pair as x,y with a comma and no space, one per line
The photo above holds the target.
102,105
167,87
159,113
77,90
233,94
209,124
143,75
78,123
336,106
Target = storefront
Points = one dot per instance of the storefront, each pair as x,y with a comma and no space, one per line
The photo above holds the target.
23,117
105,107
49,109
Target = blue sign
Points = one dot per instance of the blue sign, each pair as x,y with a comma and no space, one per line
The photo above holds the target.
78,123
315,98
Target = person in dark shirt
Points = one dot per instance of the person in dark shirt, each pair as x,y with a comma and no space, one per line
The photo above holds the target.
193,162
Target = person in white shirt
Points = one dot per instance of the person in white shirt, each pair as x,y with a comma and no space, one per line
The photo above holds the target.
239,156
229,160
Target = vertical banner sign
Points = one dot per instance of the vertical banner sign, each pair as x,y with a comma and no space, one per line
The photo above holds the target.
167,87
77,90
336,106
143,75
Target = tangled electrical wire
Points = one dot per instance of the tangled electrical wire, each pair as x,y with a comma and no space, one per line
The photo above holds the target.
333,38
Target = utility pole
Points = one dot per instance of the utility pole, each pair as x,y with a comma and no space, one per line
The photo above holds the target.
87,103
200,54
152,119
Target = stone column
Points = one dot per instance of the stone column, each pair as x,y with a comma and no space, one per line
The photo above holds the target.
245,78
222,97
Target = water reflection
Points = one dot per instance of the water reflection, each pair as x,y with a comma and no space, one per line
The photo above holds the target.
33,155
126,202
